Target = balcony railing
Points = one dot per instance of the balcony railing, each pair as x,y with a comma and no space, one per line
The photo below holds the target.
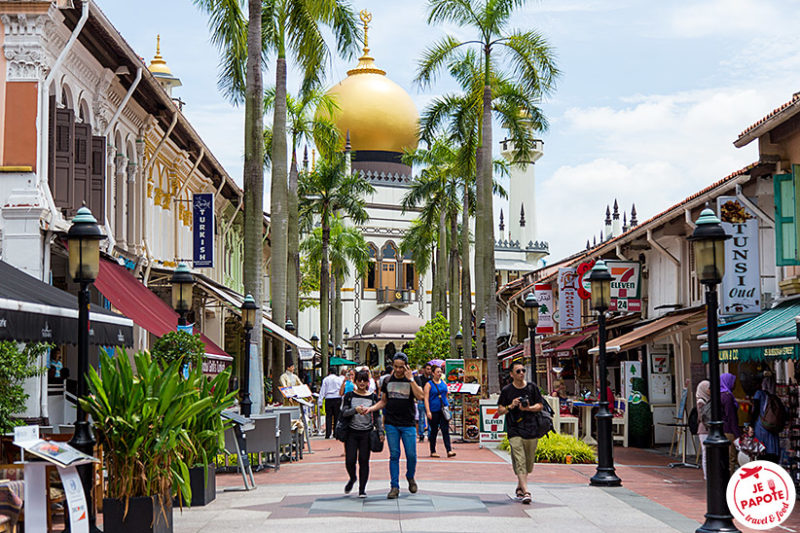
394,296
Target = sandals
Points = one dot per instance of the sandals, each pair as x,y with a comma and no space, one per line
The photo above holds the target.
526,498
435,455
520,493
451,454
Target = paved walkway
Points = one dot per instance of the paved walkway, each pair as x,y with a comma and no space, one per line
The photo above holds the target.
470,492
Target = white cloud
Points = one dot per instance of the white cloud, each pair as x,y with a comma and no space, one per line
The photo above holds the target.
714,17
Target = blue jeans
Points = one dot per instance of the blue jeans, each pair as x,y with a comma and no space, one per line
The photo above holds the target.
422,422
409,437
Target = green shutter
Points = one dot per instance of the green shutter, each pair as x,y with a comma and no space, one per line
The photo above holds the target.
785,226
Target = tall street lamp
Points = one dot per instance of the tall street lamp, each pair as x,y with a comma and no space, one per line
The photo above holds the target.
249,319
182,282
708,241
482,335
338,350
600,283
84,238
459,338
531,307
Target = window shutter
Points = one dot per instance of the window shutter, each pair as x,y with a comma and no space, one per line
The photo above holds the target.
785,219
81,166
61,178
98,181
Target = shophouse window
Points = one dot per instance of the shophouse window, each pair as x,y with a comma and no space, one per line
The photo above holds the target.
372,267
787,188
76,163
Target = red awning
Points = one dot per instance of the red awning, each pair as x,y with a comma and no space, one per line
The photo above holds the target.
141,305
566,346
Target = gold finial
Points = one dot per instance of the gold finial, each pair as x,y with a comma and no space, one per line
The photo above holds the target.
158,45
366,18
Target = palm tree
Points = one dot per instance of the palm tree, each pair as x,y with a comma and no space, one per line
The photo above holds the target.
531,61
324,191
292,28
347,245
304,126
240,42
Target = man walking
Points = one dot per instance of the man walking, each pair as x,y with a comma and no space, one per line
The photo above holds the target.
519,401
329,393
399,395
422,378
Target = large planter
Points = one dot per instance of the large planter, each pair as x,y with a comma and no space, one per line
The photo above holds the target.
203,493
145,515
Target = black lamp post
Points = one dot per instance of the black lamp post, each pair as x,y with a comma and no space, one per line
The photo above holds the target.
338,350
482,335
315,344
459,338
708,241
345,336
182,282
600,281
84,238
249,319
531,307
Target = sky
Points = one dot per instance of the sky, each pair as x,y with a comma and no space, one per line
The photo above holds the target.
651,96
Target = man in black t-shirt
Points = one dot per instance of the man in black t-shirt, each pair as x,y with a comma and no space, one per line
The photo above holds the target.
519,401
399,395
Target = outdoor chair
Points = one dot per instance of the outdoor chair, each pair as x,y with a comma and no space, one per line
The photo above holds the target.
297,436
265,438
286,437
620,421
559,420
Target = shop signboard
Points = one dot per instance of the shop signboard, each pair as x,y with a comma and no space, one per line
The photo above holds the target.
544,296
454,371
203,230
493,426
741,283
569,303
625,287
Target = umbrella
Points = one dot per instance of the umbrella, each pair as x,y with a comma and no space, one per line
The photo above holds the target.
436,362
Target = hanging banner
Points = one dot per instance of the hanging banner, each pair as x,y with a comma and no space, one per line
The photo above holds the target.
569,303
203,230
741,284
544,296
625,287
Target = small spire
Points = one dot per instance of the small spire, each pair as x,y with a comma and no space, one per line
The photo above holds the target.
522,215
624,221
634,222
305,158
601,235
616,210
594,241
608,216
587,244
502,224
158,45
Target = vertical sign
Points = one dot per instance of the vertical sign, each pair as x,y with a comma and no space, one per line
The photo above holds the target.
569,303
741,284
544,296
203,230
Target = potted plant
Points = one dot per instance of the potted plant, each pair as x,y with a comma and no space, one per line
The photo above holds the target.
141,420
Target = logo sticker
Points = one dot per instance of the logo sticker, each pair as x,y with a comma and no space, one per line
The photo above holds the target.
761,495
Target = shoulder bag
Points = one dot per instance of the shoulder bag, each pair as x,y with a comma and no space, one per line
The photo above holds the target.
342,427
445,408
541,423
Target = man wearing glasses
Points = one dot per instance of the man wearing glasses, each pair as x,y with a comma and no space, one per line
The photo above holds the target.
519,401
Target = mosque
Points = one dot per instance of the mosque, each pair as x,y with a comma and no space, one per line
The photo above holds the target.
383,310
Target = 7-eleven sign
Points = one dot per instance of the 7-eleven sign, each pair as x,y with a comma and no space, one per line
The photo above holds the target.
493,426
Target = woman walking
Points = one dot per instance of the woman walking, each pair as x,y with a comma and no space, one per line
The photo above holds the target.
348,384
730,418
770,440
702,396
438,411
357,445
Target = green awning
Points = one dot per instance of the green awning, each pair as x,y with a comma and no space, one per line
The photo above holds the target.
340,361
769,336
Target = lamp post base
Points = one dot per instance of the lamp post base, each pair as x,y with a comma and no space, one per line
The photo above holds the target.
605,477
718,523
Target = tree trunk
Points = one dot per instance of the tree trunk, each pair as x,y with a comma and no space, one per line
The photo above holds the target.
453,278
293,270
480,303
486,245
466,285
337,310
253,180
441,263
324,292
278,215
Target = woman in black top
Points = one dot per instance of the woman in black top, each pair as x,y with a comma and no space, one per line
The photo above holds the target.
357,445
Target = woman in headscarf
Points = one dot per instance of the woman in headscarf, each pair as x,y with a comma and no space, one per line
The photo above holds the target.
770,440
702,397
730,418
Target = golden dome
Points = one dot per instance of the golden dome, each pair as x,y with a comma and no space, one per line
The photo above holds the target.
158,65
377,112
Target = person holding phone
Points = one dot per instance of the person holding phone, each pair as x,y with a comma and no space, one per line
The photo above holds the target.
399,396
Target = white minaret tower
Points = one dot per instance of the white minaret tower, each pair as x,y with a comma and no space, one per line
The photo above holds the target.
521,220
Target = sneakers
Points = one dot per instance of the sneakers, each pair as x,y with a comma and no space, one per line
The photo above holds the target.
422,438
362,495
349,486
393,494
412,486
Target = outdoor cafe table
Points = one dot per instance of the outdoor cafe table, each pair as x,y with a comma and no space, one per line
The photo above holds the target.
586,413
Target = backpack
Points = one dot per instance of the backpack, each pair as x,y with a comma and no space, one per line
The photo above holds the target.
541,423
704,413
774,417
